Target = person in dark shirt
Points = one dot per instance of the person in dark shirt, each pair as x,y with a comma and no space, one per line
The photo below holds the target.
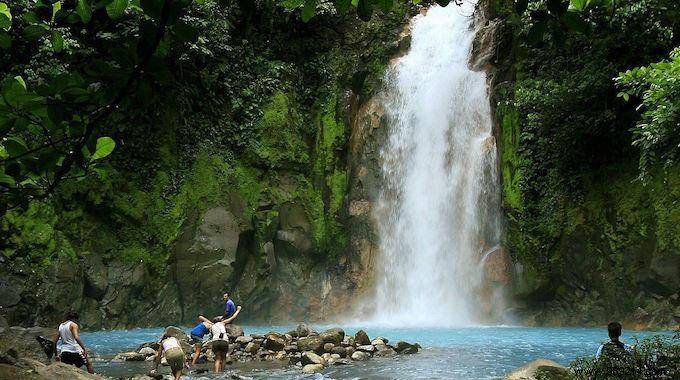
614,345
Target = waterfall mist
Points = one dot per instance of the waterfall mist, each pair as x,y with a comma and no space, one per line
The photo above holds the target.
438,211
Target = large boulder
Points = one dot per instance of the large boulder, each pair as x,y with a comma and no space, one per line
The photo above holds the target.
21,343
234,330
312,368
335,336
96,277
274,343
361,338
542,369
406,348
312,358
205,256
310,343
302,330
27,369
360,356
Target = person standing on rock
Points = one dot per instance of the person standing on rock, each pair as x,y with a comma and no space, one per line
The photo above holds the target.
72,350
220,339
170,346
229,306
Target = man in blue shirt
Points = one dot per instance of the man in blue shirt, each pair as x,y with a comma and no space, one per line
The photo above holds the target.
229,306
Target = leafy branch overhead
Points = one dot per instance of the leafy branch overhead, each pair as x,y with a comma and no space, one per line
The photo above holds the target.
60,123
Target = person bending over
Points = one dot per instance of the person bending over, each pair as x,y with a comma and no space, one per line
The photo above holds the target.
220,339
170,346
197,334
72,349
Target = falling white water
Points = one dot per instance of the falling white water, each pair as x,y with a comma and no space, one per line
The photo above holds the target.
438,211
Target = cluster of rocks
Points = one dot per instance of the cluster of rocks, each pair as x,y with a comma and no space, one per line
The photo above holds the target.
303,347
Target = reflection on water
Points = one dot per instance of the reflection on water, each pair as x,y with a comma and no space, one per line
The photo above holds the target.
463,353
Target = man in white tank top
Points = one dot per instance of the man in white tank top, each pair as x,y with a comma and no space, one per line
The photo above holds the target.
72,350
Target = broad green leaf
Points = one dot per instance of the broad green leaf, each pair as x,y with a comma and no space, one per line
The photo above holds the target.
5,40
105,146
84,10
18,79
5,17
308,10
15,146
7,180
578,5
56,7
33,32
57,41
116,8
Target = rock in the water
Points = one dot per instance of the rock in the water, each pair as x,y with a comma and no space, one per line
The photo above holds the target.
335,335
348,341
291,348
177,333
378,342
252,347
147,351
339,350
312,358
366,348
384,352
130,356
539,369
274,343
327,347
341,362
302,330
406,348
361,338
312,368
234,330
244,339
310,343
360,356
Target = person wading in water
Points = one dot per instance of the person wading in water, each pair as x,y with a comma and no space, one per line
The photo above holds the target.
220,339
170,346
197,334
72,350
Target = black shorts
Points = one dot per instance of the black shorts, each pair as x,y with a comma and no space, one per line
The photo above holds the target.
73,358
220,346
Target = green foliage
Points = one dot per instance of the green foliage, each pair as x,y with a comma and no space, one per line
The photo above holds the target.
64,87
281,143
657,357
566,149
658,88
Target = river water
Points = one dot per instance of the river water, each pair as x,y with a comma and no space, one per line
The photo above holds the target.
457,353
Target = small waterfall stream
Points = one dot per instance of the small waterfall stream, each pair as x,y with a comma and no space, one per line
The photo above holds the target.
438,212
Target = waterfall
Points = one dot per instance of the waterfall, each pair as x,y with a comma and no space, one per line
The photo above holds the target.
438,211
